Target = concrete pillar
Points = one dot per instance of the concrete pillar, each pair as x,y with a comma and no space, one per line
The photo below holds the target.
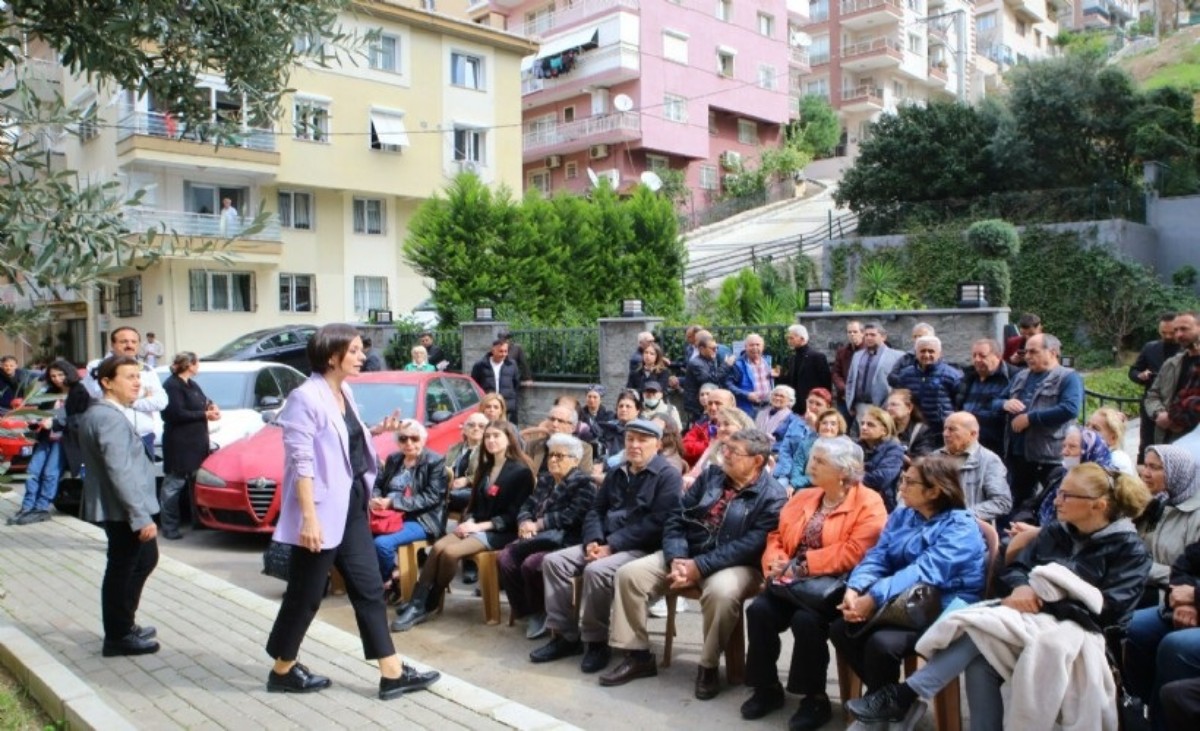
618,341
477,339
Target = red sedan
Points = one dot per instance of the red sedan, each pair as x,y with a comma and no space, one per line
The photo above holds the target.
237,487
15,445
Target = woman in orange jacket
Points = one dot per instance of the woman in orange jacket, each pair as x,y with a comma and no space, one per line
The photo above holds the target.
824,530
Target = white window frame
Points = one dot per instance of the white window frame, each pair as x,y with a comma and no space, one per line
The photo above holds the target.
366,300
655,163
460,62
286,203
540,179
725,10
372,135
571,170
767,76
467,151
361,216
311,119
817,87
724,54
675,46
710,177
379,56
766,25
128,297
210,280
288,284
747,132
675,108
568,114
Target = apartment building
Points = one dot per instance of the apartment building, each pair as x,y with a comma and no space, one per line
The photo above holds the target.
619,88
357,148
1009,32
1098,14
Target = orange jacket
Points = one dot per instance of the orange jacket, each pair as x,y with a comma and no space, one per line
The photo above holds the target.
849,531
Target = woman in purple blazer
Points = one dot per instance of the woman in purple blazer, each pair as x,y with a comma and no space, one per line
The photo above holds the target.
330,464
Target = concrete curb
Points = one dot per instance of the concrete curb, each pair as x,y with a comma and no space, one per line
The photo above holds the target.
56,689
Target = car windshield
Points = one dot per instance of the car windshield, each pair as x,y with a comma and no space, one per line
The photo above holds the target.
236,347
378,400
226,390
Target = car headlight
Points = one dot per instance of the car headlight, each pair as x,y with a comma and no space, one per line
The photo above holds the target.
209,478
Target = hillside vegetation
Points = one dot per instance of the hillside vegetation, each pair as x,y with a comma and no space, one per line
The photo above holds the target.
1175,62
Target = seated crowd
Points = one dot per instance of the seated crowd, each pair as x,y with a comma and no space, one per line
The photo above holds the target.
874,507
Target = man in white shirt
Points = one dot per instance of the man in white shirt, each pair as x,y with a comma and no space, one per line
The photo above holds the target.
152,399
152,351
229,217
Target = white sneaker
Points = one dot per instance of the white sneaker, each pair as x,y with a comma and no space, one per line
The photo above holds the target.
659,608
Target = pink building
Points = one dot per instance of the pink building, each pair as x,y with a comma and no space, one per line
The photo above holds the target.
621,87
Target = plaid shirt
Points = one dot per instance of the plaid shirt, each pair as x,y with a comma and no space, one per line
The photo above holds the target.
761,373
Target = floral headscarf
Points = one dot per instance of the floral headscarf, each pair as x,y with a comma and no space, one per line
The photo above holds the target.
1181,471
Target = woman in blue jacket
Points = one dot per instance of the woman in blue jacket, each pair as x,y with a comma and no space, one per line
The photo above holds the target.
883,454
932,539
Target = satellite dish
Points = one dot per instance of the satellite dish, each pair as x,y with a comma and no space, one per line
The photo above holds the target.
801,39
623,103
592,176
651,180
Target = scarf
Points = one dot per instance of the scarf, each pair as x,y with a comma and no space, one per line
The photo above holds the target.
1181,471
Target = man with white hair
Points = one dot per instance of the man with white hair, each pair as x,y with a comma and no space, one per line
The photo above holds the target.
806,368
752,377
920,330
932,381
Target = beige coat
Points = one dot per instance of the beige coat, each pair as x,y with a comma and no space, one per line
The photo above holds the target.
1178,527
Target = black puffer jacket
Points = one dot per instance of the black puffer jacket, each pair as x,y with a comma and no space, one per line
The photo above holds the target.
629,509
1113,559
742,534
427,502
562,505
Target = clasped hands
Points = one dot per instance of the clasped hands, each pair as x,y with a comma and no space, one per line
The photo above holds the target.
855,607
1182,600
528,529
1016,407
684,573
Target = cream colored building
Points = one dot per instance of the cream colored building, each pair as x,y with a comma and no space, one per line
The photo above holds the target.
341,172
1008,32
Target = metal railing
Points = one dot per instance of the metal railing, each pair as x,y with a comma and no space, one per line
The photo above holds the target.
582,129
166,126
868,93
207,225
873,45
769,251
569,354
399,350
1093,401
586,64
858,6
674,340
798,54
542,24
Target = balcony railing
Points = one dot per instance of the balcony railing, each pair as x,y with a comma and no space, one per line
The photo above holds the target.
849,7
875,45
799,55
586,64
157,124
548,22
863,93
206,225
557,134
819,58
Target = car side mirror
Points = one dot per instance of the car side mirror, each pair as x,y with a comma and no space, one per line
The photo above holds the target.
269,402
268,417
438,417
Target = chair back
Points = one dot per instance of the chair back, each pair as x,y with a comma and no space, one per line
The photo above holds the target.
992,540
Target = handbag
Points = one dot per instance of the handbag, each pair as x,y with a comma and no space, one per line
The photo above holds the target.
915,608
276,560
385,520
819,593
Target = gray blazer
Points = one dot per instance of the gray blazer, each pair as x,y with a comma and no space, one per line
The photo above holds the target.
878,389
984,481
118,479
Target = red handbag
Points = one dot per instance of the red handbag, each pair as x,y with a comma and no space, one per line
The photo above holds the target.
384,521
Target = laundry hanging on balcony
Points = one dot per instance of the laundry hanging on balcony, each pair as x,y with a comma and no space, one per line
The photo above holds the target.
558,56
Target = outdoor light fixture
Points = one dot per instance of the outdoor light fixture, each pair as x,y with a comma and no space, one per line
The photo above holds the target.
483,314
1068,361
631,308
972,295
818,300
381,317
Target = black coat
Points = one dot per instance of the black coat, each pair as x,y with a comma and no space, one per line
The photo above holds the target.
426,502
1113,559
699,372
806,369
510,381
513,485
185,441
741,537
1152,357
630,509
561,506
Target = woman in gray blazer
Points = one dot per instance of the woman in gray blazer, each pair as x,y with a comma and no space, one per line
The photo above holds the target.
118,495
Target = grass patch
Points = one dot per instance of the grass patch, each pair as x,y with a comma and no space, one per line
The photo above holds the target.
1184,73
19,712
1112,381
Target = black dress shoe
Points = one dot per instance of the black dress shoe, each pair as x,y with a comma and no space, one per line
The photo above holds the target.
631,668
890,703
146,633
556,649
596,657
762,702
130,644
413,615
296,680
708,683
408,681
813,713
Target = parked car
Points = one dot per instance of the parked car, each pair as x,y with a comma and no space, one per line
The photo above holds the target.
237,487
16,446
278,345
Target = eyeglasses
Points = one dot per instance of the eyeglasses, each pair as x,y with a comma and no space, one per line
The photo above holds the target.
403,438
906,480
473,425
731,452
560,455
556,420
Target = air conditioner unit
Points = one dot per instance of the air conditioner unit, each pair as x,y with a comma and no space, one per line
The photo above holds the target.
468,166
554,161
598,152
731,160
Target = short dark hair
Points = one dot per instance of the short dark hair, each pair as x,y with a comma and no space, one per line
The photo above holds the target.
330,341
425,334
7,358
757,443
1167,316
1029,320
499,341
366,342
941,472
108,367
112,336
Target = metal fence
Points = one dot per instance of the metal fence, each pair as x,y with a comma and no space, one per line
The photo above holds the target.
398,352
1092,401
733,260
570,354
674,340
722,209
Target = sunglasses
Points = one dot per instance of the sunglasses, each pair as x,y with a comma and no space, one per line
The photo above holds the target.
406,438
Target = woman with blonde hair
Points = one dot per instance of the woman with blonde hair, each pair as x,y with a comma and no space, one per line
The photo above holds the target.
883,455
1110,424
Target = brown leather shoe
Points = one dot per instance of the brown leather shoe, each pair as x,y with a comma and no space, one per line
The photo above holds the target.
631,668
708,683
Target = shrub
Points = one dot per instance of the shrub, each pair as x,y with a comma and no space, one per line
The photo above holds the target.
996,279
994,239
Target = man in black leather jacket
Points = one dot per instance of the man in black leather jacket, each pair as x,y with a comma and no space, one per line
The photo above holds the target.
714,542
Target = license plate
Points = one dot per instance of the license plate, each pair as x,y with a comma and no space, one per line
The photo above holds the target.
27,451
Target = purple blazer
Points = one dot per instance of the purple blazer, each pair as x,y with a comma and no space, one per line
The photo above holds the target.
316,445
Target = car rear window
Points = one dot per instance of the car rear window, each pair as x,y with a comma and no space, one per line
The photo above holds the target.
227,390
378,400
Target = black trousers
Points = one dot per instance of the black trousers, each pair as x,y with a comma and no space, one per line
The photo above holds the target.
130,563
766,618
876,655
307,575
1181,704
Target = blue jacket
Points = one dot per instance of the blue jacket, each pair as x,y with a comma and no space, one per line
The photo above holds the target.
946,551
984,398
934,390
881,469
792,467
741,382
